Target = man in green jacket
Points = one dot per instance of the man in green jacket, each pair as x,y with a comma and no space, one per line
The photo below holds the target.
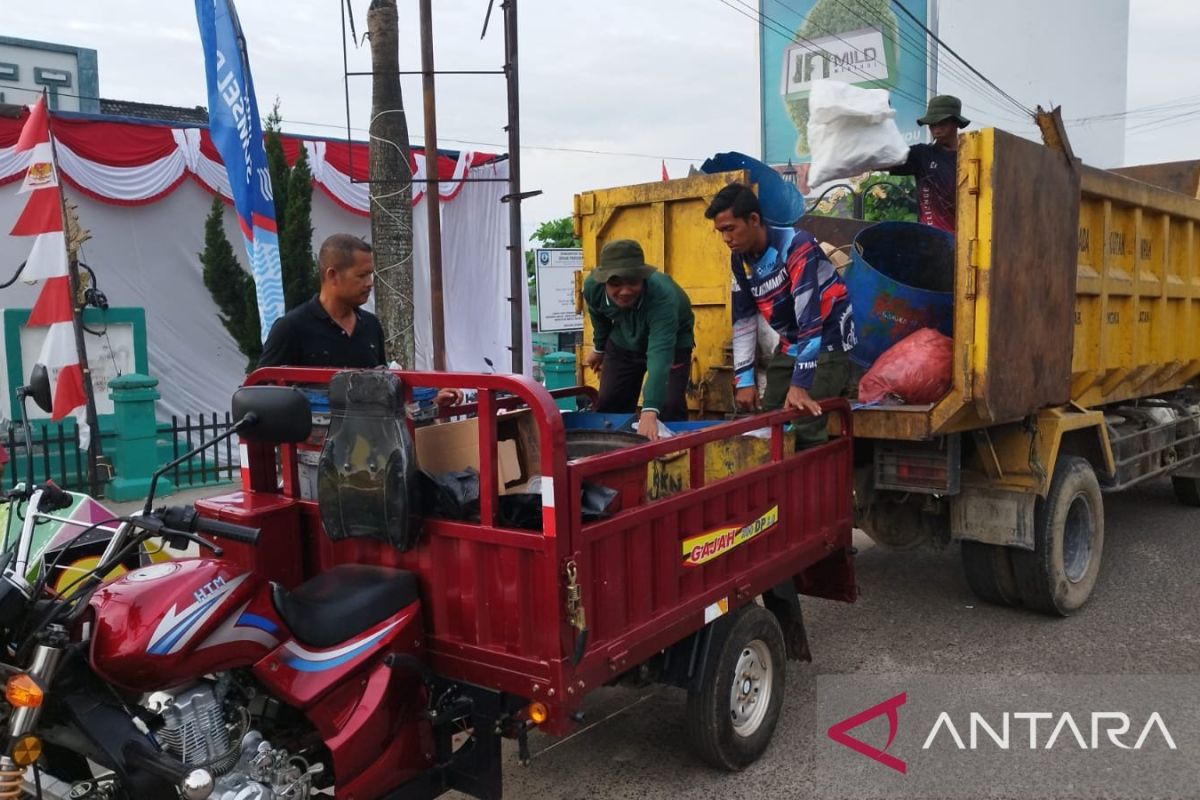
641,328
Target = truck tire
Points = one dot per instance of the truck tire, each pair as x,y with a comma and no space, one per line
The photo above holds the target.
732,715
1058,575
1187,490
990,573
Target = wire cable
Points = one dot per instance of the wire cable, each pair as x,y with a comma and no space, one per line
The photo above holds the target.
768,23
1017,103
498,145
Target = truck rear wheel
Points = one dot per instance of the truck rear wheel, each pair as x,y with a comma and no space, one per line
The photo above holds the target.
1058,575
731,717
990,573
1187,490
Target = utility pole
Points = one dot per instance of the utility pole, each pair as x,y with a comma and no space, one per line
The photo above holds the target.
516,240
433,198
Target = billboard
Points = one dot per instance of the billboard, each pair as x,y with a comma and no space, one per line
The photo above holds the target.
555,270
864,42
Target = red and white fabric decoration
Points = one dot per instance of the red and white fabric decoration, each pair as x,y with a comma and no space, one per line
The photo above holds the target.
134,164
42,218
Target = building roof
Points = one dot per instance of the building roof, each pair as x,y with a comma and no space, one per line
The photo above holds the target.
154,111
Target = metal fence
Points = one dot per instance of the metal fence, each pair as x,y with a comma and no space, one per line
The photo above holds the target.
214,465
57,455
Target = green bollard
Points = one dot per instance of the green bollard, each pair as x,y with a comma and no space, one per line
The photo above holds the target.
135,454
558,372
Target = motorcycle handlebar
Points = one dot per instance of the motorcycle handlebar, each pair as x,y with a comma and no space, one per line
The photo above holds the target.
185,518
54,498
228,530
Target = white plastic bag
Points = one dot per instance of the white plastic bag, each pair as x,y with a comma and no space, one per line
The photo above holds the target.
851,131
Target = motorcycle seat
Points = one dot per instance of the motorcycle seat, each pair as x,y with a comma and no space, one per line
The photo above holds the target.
341,603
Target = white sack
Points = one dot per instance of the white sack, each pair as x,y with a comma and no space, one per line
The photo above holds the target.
851,131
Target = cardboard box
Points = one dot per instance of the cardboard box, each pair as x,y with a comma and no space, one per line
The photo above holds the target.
454,446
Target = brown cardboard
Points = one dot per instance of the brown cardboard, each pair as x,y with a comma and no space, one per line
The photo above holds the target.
454,446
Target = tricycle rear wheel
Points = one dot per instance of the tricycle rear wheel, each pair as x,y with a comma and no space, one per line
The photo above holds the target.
732,715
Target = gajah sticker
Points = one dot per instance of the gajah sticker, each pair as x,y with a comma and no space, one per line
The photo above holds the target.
707,546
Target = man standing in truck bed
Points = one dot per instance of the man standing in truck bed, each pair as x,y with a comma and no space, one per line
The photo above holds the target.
935,165
784,276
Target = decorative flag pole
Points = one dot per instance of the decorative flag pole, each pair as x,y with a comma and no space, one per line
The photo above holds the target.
53,259
236,132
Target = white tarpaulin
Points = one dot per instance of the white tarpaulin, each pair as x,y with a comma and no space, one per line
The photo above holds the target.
148,256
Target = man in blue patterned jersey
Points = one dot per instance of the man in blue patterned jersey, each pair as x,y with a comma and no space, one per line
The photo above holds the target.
784,276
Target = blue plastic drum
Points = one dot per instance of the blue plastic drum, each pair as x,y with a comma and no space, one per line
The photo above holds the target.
901,279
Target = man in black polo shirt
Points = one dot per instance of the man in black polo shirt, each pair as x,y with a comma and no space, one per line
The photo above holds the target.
331,329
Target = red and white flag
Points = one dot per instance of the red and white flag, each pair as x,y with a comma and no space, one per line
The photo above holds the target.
42,218
665,176
35,136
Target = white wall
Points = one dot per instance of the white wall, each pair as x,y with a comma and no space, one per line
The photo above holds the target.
1071,53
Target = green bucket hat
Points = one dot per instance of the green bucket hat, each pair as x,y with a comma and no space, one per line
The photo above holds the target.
943,107
622,258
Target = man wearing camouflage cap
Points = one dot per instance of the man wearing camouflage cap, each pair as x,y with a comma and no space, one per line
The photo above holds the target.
934,165
642,328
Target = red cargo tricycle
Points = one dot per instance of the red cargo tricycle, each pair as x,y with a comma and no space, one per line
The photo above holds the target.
339,629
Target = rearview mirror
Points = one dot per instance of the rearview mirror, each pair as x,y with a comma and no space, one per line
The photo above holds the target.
280,414
39,387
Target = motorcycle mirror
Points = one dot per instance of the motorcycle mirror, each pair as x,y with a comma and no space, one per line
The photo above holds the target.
272,414
39,387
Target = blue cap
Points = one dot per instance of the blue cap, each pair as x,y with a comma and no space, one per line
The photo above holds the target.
423,393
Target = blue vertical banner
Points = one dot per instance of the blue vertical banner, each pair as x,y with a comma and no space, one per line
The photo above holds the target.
863,42
237,134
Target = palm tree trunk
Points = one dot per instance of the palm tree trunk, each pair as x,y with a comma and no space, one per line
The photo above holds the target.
391,187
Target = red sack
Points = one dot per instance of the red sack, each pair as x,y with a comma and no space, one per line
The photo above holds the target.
914,370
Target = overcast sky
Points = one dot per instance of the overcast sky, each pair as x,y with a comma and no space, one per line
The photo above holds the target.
664,79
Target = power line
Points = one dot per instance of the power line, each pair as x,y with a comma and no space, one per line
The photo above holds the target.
796,37
497,145
768,23
1152,110
917,47
553,148
912,46
965,63
905,42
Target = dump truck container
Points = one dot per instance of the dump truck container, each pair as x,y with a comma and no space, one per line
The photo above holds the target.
1076,341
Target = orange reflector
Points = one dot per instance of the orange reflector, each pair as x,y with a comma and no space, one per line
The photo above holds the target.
26,750
22,691
538,713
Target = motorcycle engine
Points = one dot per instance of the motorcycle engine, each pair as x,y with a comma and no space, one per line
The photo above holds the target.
197,730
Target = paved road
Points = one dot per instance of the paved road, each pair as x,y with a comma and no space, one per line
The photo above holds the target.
915,617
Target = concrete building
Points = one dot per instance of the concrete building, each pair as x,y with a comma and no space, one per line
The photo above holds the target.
68,74
1072,53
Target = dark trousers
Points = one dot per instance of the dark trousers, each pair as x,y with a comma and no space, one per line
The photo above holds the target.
621,382
831,379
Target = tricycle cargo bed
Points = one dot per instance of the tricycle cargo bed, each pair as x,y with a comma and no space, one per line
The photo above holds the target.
499,602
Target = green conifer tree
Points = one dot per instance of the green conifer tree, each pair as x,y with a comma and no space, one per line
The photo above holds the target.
276,163
230,287
295,236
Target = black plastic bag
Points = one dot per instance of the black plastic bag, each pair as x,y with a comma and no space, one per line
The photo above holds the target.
450,495
455,495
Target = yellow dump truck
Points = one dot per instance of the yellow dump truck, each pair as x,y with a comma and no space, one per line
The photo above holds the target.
1076,335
